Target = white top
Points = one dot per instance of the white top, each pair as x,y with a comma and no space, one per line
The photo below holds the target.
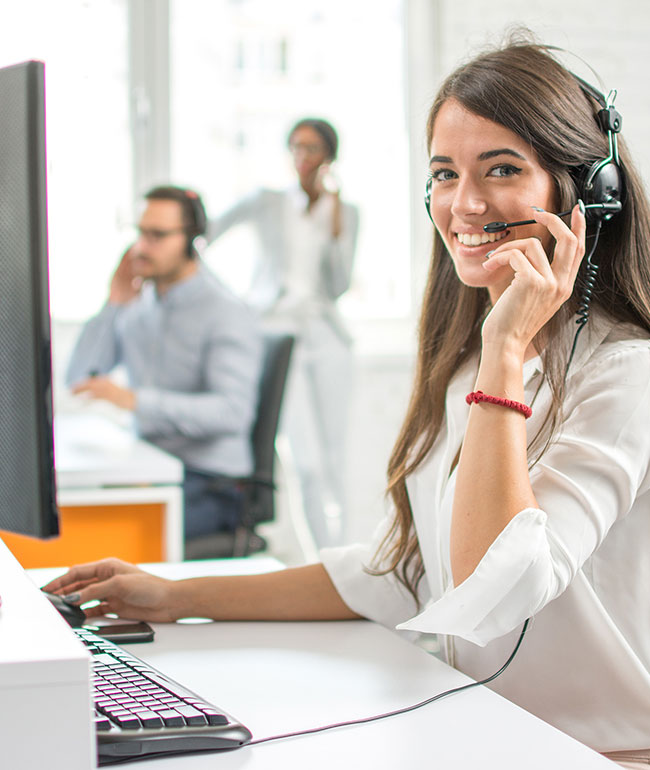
579,565
308,231
302,269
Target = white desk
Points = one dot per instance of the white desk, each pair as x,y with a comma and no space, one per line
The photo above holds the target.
282,677
101,463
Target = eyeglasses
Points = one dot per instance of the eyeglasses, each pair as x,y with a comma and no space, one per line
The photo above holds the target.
307,149
154,235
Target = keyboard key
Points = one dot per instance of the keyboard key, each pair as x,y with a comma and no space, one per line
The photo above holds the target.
106,705
191,715
127,721
136,692
171,717
103,724
126,701
149,718
214,717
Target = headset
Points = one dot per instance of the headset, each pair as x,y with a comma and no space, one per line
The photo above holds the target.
602,186
193,206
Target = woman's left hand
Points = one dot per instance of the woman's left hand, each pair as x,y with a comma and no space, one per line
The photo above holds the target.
539,287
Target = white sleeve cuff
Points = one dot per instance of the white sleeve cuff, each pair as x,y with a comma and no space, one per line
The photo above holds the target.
511,582
381,598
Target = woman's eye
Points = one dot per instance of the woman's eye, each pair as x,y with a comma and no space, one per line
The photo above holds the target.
504,169
443,175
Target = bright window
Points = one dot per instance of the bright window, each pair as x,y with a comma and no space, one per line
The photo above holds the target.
243,72
84,47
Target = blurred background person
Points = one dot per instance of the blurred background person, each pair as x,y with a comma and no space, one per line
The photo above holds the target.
307,239
192,353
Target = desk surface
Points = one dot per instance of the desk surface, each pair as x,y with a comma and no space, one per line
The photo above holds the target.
93,451
282,677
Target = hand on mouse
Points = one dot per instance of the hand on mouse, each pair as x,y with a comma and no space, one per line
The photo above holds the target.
120,588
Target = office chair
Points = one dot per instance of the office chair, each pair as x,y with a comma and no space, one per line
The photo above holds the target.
258,488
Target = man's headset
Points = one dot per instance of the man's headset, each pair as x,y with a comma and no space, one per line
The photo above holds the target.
601,186
197,220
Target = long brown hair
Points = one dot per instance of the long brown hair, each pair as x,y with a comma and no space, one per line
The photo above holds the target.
523,87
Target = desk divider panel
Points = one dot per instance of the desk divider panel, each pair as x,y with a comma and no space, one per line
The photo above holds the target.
133,532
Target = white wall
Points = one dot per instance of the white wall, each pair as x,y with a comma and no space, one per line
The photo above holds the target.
611,37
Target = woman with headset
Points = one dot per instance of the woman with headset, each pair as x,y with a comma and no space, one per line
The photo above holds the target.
520,482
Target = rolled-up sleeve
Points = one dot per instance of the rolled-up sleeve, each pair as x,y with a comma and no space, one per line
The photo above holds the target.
514,578
588,479
381,598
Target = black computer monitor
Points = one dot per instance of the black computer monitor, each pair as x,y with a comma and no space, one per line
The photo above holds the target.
27,482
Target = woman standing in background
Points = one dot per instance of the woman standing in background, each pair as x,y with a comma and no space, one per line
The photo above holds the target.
307,241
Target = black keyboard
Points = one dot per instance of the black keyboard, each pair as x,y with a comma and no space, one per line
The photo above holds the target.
141,712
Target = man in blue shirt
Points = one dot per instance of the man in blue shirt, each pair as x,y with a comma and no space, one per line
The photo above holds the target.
192,353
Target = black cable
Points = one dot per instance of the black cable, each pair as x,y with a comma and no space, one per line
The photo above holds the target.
405,709
585,302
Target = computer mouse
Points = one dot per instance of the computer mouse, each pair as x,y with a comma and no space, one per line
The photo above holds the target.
75,616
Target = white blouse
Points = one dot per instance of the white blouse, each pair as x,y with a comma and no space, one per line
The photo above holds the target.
579,565
302,269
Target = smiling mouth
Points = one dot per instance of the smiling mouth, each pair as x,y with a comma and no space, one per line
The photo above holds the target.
480,239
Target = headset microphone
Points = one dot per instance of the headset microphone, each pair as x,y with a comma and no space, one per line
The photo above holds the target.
605,211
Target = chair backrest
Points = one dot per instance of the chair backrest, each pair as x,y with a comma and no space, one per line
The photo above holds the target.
275,369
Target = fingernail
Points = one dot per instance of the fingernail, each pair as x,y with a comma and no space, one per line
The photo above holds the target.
581,206
490,253
537,208
72,598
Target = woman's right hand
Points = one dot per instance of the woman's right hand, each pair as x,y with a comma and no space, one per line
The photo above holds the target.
120,588
327,181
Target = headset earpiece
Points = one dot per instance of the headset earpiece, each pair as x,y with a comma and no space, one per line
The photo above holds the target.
603,182
199,221
427,196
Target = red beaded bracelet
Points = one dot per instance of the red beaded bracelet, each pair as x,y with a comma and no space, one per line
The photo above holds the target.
478,395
